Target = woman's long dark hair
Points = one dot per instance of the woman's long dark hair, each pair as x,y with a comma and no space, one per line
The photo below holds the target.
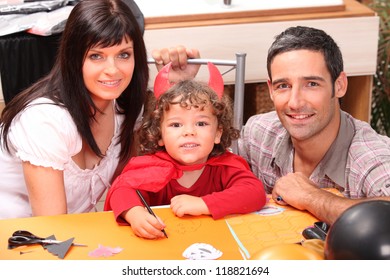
104,23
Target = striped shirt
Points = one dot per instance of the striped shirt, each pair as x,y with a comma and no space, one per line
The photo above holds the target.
357,163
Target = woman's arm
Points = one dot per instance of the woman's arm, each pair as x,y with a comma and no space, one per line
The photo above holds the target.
46,190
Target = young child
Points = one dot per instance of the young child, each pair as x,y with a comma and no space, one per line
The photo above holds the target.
186,163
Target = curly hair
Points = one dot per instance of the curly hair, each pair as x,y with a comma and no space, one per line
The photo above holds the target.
191,94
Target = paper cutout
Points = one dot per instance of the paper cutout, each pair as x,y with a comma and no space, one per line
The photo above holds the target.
272,225
270,210
201,251
104,251
60,249
51,237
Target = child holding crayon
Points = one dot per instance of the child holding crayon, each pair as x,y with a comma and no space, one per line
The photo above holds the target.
186,163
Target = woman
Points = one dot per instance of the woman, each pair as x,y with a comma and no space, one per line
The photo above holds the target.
64,138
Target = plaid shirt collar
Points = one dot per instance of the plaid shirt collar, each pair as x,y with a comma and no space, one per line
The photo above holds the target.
330,165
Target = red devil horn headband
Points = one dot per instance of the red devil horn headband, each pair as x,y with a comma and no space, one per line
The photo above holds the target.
162,84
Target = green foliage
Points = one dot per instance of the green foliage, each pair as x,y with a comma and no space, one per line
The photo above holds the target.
380,109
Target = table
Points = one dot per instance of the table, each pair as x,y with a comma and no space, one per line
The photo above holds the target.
237,236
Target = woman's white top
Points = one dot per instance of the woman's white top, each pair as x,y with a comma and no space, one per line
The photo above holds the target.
45,135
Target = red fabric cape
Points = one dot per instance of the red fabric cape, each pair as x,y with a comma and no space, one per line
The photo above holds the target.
153,172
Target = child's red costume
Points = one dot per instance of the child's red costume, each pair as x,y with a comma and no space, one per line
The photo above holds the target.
226,185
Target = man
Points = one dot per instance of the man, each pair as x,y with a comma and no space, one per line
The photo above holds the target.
309,145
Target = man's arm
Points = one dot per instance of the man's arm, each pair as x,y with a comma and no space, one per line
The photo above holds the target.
297,190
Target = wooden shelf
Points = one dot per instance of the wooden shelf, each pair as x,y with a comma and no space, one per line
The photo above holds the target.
350,8
354,28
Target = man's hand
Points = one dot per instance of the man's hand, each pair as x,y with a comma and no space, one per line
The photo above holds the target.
178,55
294,189
297,190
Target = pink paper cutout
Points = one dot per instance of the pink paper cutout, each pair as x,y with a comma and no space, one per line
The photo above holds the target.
104,251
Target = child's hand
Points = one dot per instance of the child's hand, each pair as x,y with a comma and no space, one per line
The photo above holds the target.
190,205
143,224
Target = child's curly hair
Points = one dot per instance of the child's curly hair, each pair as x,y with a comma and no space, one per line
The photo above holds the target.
193,94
